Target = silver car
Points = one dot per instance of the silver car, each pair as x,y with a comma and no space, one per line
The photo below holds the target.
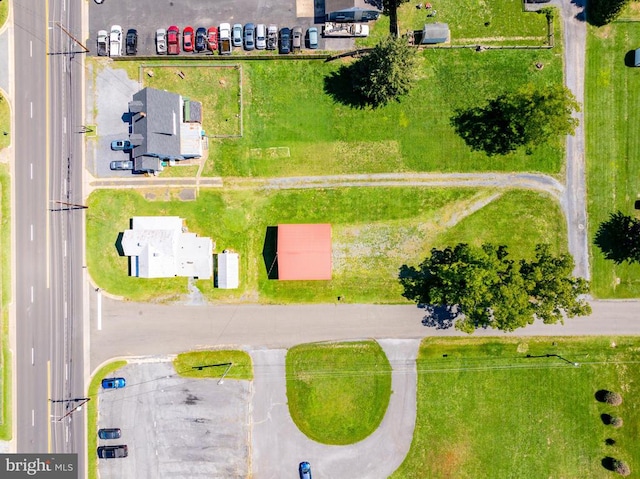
161,41
236,35
261,36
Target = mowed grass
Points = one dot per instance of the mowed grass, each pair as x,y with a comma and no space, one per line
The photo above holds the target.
93,408
374,232
5,300
486,410
612,146
5,116
338,393
301,130
216,363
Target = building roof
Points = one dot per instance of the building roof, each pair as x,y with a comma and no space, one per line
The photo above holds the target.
435,33
228,270
342,5
304,252
159,248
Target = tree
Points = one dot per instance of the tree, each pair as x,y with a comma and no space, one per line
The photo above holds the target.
491,290
601,12
527,117
619,238
384,74
390,8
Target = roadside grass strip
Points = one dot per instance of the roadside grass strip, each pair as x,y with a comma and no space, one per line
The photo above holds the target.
374,232
5,117
5,299
214,364
518,407
338,393
612,146
92,414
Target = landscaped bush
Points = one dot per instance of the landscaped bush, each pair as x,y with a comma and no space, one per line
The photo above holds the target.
612,398
616,421
621,467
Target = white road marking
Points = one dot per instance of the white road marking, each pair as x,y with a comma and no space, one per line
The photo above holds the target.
64,6
33,417
31,232
30,48
64,125
31,109
66,429
64,67
66,371
65,310
32,294
65,248
33,357
31,168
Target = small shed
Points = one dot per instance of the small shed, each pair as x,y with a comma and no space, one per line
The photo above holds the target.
435,33
228,270
636,58
304,252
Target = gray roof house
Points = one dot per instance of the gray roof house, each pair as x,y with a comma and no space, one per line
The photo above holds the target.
435,33
159,247
351,10
164,126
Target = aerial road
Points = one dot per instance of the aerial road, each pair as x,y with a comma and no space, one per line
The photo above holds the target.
48,227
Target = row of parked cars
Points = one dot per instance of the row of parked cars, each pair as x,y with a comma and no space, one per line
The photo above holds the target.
118,450
224,37
111,43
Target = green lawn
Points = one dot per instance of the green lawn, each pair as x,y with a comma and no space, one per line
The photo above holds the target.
5,299
485,410
4,12
375,231
5,119
92,414
217,361
612,146
338,393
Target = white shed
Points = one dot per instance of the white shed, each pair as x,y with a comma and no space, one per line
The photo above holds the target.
228,270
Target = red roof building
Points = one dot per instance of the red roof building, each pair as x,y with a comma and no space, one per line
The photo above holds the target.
304,252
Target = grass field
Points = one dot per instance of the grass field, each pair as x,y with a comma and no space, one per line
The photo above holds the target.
326,401
92,414
5,300
486,410
612,146
5,119
4,12
375,231
185,364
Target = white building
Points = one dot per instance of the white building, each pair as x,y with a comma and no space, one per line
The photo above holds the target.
159,247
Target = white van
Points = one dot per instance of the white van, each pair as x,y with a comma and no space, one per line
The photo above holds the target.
261,36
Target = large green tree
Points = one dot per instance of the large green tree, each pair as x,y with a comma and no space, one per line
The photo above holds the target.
385,73
524,118
601,12
390,8
487,289
619,238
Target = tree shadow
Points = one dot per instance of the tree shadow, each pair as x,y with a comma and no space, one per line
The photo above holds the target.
339,87
601,395
270,252
617,238
609,463
630,59
606,419
609,441
439,317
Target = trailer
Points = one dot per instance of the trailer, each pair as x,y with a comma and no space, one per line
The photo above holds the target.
224,39
272,37
334,29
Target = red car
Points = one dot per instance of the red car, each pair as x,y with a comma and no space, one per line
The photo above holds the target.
187,39
212,39
173,40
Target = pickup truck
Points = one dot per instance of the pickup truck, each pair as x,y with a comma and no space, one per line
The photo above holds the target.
102,43
115,41
224,39
272,37
173,40
333,29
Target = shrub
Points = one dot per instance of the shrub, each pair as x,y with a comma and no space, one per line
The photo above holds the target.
621,467
616,421
612,398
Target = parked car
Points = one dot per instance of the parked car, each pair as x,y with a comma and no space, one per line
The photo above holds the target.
236,35
161,41
201,39
173,40
187,39
261,36
272,37
109,433
132,41
113,383
304,469
296,38
212,39
312,36
115,41
121,165
117,145
113,452
285,40
249,36
103,37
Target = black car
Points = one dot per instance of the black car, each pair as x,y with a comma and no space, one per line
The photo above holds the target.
201,39
132,41
113,452
285,40
109,433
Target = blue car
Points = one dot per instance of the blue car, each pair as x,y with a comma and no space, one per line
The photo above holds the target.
118,145
113,383
305,470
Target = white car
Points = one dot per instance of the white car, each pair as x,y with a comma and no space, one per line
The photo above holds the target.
115,41
261,36
161,41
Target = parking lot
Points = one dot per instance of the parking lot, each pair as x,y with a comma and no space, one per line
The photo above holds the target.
175,427
149,15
